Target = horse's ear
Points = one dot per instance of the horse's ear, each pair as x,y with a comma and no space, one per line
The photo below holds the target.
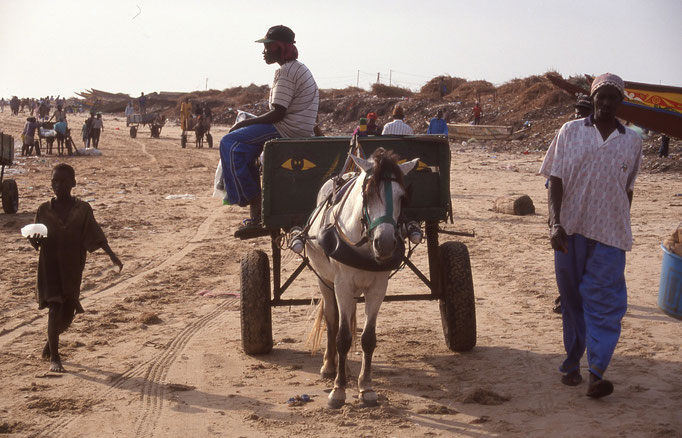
363,164
408,166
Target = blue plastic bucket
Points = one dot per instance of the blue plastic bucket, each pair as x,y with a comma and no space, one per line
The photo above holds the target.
670,289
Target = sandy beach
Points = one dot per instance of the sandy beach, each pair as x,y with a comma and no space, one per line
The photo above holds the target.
158,351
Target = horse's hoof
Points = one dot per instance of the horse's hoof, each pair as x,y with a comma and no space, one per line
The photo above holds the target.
369,399
335,404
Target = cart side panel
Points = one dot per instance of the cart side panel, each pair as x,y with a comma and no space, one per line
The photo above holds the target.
295,169
6,149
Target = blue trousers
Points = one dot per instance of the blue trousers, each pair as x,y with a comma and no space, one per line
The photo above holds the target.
238,152
591,280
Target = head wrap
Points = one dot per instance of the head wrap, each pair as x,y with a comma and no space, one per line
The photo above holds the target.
583,101
608,79
287,51
398,112
372,116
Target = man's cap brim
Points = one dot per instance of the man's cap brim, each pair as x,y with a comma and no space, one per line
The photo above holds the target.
264,40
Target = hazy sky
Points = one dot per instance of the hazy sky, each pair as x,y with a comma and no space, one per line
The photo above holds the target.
60,47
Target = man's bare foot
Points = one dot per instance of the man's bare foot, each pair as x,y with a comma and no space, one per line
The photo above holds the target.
56,365
46,351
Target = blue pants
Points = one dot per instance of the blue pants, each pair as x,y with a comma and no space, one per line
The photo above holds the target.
591,280
238,152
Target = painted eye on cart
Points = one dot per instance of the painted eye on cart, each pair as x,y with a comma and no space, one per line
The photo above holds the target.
298,164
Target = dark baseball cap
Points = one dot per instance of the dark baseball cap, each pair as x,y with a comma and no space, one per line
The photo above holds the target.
278,33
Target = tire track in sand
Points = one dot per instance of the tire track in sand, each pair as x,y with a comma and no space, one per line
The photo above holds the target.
154,389
8,336
143,146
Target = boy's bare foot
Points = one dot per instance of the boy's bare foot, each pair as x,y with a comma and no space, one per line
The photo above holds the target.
46,351
56,365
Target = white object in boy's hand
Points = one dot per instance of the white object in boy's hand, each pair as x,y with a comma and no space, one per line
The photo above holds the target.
31,229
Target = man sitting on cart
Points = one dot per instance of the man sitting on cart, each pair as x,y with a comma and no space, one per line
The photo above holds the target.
185,113
294,100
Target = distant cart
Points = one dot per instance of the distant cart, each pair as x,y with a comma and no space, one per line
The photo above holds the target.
10,193
201,126
155,121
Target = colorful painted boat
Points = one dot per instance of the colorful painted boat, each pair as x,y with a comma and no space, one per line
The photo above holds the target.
655,107
463,131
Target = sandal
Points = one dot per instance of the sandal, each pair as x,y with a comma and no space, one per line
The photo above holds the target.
600,388
572,379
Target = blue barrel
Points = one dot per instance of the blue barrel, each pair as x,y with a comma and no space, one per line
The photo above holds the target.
670,289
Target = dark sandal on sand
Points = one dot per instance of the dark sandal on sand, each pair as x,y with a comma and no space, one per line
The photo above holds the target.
572,379
600,388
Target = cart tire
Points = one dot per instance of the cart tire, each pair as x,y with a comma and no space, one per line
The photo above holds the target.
457,303
133,132
209,140
10,196
256,316
183,141
156,131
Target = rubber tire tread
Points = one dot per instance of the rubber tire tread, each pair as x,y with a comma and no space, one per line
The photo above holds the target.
458,303
256,315
209,140
183,141
10,196
133,132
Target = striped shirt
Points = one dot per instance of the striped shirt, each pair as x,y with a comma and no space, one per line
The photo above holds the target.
596,175
397,127
295,89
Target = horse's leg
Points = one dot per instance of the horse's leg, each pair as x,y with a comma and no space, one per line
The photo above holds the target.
373,299
346,304
331,317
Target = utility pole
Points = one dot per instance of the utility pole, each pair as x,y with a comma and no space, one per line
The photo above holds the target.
378,77
207,83
357,85
390,75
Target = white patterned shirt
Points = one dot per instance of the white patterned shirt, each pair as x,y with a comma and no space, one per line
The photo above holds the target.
397,127
596,175
295,89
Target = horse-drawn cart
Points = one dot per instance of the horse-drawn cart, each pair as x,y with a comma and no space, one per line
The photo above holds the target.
201,126
293,172
10,193
154,120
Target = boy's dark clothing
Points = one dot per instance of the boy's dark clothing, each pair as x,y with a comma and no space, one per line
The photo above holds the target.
63,252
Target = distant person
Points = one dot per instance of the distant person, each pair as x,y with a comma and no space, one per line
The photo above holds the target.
397,126
14,105
59,114
477,113
185,113
592,165
663,151
2,105
129,112
372,127
142,102
442,88
28,136
294,101
96,128
87,126
438,125
72,232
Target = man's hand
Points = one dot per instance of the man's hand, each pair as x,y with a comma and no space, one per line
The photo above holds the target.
35,241
239,125
558,238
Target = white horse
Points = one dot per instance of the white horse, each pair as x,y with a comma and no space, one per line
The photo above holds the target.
354,242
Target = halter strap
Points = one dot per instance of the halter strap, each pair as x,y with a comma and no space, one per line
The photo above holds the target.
387,218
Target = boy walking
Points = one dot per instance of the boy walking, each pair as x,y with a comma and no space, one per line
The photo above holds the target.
71,231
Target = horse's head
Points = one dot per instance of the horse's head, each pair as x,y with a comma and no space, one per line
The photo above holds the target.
383,196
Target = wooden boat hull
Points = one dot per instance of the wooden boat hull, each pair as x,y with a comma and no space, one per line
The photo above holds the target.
462,131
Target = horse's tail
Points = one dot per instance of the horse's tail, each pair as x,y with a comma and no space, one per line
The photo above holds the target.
315,336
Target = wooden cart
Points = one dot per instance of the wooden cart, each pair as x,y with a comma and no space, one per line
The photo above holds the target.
10,193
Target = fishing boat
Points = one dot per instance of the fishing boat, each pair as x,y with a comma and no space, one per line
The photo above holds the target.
655,107
464,131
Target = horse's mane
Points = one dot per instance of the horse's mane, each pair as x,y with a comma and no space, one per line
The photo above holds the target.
385,166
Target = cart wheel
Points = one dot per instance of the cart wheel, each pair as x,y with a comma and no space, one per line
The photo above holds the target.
183,141
457,305
256,317
156,132
10,196
209,140
133,132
